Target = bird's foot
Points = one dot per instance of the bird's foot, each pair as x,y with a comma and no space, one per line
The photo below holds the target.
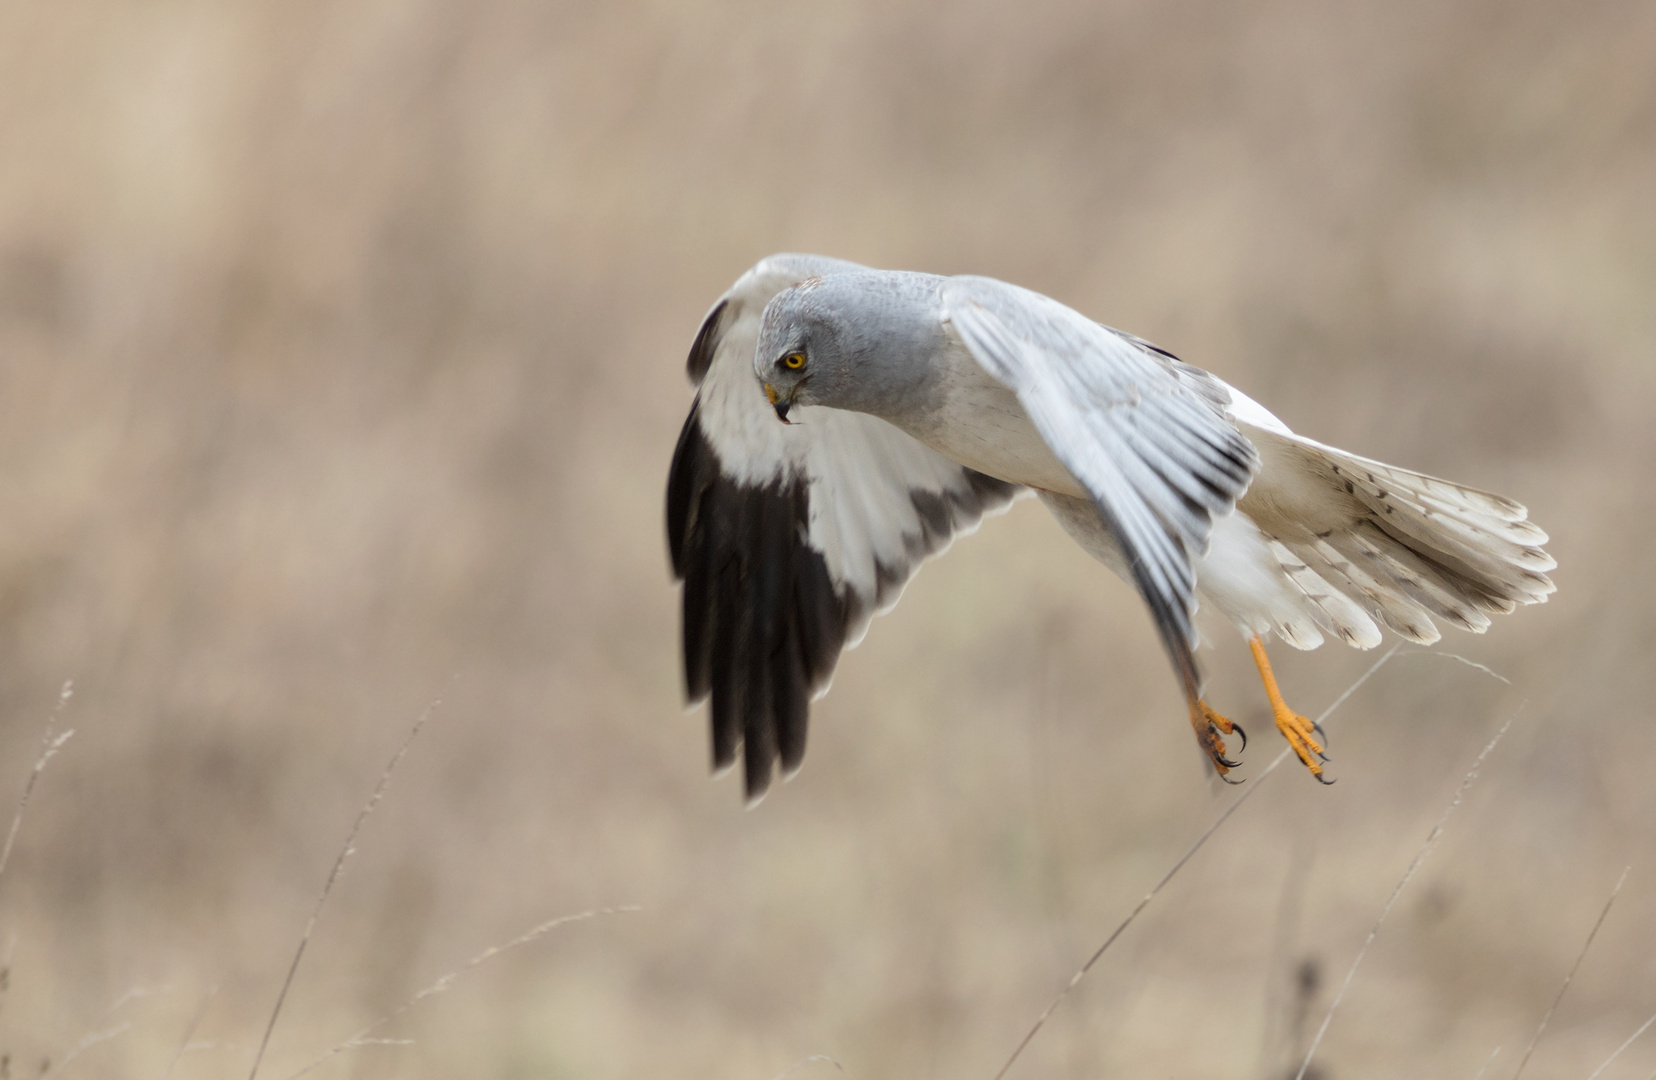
1209,726
1302,736
1301,733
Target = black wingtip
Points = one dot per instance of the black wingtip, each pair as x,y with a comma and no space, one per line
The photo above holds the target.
692,542
762,620
693,469
706,343
756,777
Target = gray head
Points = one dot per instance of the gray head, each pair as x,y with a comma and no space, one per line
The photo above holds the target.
864,340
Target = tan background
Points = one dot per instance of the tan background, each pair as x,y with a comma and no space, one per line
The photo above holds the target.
341,357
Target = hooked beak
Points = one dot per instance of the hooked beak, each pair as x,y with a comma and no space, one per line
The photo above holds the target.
778,403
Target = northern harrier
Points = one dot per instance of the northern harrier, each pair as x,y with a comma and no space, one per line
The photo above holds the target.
851,422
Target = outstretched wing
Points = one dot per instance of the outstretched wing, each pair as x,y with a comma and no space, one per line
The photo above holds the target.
790,537
1141,432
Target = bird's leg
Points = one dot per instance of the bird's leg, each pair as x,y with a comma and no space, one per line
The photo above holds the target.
1209,725
1300,732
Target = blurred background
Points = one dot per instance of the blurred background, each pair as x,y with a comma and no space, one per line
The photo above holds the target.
341,358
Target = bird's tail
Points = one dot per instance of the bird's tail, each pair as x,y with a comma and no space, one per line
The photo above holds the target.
1424,546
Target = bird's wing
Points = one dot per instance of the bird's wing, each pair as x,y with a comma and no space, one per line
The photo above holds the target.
790,537
1143,433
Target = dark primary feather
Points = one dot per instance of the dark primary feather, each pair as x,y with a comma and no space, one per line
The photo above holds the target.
707,342
763,624
763,620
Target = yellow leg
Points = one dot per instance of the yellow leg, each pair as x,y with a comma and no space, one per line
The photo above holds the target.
1208,726
1300,732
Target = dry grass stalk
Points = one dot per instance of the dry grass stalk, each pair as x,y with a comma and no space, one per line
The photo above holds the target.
1486,669
48,1068
1190,853
1279,1025
1631,1039
1408,875
345,852
361,1038
51,744
1582,955
101,1031
803,1062
195,1022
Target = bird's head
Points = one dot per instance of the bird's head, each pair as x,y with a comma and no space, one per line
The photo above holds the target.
796,354
858,340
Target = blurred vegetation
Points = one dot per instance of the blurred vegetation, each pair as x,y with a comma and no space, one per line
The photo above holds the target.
340,361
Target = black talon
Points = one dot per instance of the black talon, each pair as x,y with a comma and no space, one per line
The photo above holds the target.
1219,759
1323,780
1322,736
1228,780
1219,732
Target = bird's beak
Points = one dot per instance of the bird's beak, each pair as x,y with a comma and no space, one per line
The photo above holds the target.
778,403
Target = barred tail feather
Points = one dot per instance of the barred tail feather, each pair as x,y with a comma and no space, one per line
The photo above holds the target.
1428,545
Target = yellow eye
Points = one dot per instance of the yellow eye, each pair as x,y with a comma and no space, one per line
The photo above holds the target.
793,361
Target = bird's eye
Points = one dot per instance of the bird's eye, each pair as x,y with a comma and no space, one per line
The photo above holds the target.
793,361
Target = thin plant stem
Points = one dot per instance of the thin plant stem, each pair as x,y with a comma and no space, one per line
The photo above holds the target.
195,1022
345,853
1487,670
1408,875
361,1038
1580,956
1190,852
1631,1039
84,1045
51,743
803,1062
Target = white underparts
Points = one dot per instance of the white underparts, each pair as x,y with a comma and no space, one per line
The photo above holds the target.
1242,577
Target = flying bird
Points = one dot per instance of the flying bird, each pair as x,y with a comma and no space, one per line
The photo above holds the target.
850,422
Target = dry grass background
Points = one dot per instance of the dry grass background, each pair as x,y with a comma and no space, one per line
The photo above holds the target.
340,361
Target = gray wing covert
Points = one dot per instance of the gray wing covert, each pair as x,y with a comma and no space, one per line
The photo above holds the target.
789,538
1158,458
